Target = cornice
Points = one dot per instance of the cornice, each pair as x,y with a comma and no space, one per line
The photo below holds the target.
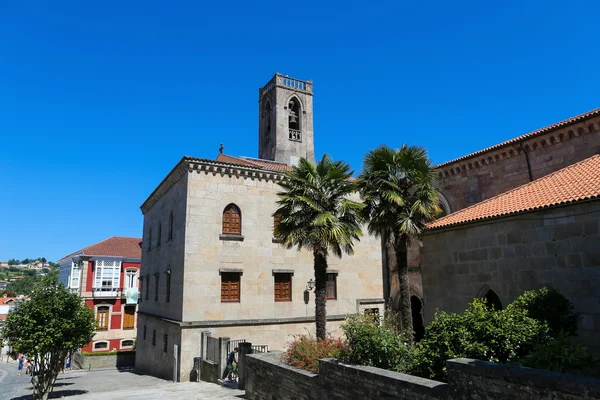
517,147
200,165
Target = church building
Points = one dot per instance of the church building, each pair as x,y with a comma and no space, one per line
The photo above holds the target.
210,263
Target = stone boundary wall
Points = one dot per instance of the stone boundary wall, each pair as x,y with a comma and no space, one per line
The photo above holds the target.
269,378
110,361
473,379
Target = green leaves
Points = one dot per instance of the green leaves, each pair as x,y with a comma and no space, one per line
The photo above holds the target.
396,186
315,211
52,323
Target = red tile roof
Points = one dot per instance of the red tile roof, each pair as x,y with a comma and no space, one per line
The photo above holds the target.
529,135
116,246
254,162
4,300
577,182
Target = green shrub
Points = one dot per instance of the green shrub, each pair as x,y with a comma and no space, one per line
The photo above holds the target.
304,352
372,344
562,355
479,332
549,306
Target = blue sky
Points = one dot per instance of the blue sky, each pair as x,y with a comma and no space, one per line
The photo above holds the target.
99,100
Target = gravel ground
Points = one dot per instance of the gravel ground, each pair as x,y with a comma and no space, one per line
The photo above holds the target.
111,384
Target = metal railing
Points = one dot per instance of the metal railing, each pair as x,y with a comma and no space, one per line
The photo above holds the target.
212,349
232,344
260,348
295,135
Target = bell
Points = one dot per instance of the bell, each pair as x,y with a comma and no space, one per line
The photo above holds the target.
293,118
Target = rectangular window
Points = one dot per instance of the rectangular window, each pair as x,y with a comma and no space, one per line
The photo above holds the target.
283,287
156,276
331,286
165,343
106,278
130,279
102,318
145,332
129,317
153,337
230,287
76,275
147,286
168,296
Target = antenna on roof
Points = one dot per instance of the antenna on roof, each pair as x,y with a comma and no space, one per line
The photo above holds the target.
221,147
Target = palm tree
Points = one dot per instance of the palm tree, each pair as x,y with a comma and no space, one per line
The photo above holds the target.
396,186
315,213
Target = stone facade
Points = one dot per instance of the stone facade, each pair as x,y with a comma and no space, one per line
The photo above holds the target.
557,247
280,102
269,378
182,274
484,174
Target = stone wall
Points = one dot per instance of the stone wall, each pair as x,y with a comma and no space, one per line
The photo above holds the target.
472,379
268,378
473,179
122,360
557,247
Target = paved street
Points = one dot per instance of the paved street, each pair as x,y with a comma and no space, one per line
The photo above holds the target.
110,384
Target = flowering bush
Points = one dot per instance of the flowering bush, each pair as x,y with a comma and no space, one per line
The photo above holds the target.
304,352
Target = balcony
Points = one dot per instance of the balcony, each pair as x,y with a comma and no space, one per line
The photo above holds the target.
105,291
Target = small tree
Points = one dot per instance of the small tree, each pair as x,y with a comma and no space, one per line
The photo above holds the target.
49,326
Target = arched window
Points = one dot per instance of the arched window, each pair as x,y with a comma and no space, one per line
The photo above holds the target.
417,317
170,233
101,346
149,245
294,117
159,234
232,220
492,300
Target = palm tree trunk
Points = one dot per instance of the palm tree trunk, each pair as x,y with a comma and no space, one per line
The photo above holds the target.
400,248
320,288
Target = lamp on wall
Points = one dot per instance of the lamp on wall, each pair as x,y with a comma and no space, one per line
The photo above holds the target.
310,285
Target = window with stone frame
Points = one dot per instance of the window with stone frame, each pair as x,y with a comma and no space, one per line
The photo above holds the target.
102,317
331,287
159,235
165,343
170,232
147,286
153,337
168,289
230,287
101,346
156,282
283,287
145,330
276,221
232,220
149,244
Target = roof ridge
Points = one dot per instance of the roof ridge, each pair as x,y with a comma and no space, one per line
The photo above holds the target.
523,136
518,188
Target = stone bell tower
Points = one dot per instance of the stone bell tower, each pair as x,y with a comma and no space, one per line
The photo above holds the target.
285,126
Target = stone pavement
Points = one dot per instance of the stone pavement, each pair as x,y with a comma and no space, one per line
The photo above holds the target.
112,384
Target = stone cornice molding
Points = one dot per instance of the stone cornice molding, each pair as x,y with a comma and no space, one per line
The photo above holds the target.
200,165
518,146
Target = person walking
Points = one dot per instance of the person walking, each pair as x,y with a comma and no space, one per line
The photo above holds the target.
20,366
